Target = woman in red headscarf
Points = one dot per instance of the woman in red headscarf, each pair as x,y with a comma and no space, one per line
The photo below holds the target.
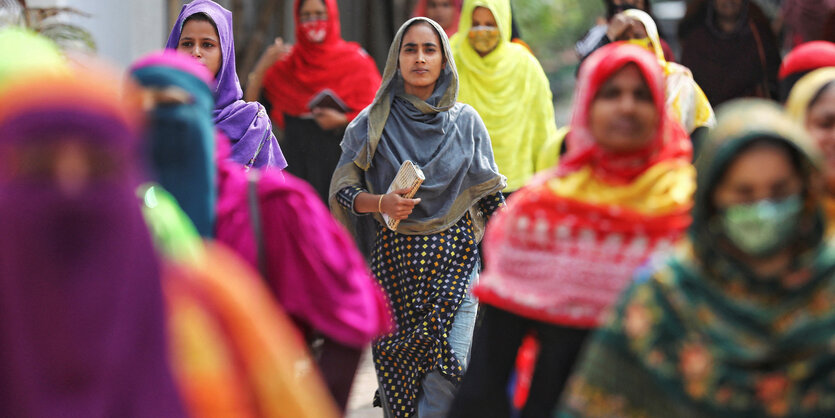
314,89
572,238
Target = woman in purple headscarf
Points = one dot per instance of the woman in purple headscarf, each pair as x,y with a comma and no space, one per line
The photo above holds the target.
204,31
82,326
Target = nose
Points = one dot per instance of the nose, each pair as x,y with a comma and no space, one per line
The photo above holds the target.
421,57
71,169
627,102
195,52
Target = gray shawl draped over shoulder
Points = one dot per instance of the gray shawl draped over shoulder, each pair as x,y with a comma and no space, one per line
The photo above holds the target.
447,140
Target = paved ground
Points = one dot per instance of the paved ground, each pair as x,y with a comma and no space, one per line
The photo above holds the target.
362,393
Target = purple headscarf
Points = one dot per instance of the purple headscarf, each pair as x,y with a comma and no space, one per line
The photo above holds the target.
82,326
246,124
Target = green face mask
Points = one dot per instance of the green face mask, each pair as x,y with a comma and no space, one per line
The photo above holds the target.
760,229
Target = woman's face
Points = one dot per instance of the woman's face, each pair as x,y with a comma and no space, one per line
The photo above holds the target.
745,181
441,11
312,10
728,9
421,59
70,164
635,30
200,40
820,122
313,18
622,116
484,34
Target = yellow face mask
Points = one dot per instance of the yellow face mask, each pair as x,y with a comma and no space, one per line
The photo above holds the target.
484,38
645,43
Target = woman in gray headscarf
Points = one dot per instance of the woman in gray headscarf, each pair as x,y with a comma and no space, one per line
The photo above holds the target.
429,263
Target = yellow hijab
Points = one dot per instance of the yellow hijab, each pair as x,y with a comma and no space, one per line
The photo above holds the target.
798,104
806,89
510,91
686,101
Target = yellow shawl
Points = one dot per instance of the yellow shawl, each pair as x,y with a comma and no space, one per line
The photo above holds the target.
806,89
511,93
798,104
663,189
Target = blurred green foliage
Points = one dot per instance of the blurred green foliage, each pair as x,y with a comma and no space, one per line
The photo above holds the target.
552,27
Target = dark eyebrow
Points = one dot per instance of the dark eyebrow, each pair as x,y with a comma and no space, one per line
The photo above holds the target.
412,44
202,39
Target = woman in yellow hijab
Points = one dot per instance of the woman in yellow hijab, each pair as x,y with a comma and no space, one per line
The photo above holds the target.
686,101
507,86
812,104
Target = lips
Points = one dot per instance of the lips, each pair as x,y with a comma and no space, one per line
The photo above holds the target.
420,71
627,125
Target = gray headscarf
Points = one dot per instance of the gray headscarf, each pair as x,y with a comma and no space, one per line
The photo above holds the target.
447,140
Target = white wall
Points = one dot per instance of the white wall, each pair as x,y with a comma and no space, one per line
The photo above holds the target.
123,29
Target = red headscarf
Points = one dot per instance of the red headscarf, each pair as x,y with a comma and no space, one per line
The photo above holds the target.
420,10
343,67
807,57
670,141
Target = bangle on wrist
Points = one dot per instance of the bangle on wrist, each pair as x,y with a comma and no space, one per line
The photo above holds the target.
380,204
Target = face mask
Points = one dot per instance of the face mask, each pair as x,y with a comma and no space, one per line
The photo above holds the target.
315,30
645,43
760,229
484,38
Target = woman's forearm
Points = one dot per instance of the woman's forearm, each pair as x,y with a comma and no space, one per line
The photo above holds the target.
254,83
367,203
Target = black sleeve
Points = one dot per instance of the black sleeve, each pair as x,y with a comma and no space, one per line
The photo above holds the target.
603,42
490,204
346,197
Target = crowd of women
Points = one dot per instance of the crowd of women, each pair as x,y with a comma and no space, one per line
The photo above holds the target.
160,257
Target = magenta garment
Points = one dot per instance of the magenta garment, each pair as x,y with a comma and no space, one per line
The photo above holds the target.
246,124
82,327
317,272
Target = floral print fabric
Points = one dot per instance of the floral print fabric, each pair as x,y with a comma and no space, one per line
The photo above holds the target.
676,347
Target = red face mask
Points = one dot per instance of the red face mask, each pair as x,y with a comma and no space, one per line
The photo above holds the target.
315,30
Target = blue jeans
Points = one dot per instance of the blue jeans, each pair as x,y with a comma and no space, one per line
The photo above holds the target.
437,392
